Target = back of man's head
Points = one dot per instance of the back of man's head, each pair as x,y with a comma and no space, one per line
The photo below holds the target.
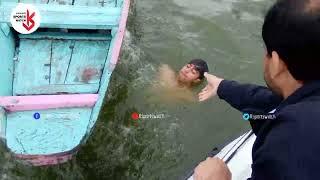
292,29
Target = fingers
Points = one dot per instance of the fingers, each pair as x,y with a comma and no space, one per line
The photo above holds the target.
205,88
201,99
204,97
203,92
206,93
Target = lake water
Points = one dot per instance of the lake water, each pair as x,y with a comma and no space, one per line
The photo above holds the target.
226,33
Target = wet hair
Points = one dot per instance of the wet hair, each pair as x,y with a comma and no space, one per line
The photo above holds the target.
201,66
292,29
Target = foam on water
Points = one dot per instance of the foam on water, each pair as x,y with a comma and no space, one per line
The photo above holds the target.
246,16
141,70
206,8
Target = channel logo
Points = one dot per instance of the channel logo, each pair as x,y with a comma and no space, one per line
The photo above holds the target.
246,116
25,18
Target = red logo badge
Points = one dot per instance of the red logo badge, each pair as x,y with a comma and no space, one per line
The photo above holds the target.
25,18
30,22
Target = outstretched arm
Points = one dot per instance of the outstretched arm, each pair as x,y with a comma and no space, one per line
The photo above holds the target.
244,97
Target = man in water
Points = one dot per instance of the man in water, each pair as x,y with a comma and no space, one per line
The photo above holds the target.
175,87
287,147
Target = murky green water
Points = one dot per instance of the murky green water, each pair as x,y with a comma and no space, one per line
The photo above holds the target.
224,32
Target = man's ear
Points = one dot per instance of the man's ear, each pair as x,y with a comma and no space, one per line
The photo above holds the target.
277,66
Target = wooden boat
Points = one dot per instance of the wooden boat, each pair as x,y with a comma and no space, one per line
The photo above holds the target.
53,82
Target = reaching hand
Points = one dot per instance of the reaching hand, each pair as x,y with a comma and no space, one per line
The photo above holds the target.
212,169
212,87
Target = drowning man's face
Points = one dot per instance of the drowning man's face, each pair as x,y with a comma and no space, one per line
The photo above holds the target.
188,74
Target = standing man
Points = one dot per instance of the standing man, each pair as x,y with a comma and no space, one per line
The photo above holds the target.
287,147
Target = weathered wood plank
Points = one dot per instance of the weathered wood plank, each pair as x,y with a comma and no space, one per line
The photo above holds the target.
34,75
33,1
5,29
56,131
60,2
61,56
7,49
66,36
28,103
104,83
3,123
119,3
68,16
97,3
60,89
33,65
87,62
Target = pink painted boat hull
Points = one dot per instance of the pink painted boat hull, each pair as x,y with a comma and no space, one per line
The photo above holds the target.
46,160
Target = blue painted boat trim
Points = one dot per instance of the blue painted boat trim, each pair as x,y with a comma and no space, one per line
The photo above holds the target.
104,83
66,36
67,16
5,29
113,55
60,89
7,46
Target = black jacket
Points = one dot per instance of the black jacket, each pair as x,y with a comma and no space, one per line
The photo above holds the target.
287,147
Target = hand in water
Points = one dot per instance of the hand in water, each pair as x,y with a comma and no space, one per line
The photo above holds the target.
212,169
211,89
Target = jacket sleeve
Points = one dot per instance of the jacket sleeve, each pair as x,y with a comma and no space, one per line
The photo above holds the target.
248,97
285,150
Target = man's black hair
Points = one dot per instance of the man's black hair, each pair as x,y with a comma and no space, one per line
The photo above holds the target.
292,29
201,66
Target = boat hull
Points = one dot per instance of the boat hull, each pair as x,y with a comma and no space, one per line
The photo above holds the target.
46,160
53,99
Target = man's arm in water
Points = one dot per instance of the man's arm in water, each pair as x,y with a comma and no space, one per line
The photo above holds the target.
244,97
